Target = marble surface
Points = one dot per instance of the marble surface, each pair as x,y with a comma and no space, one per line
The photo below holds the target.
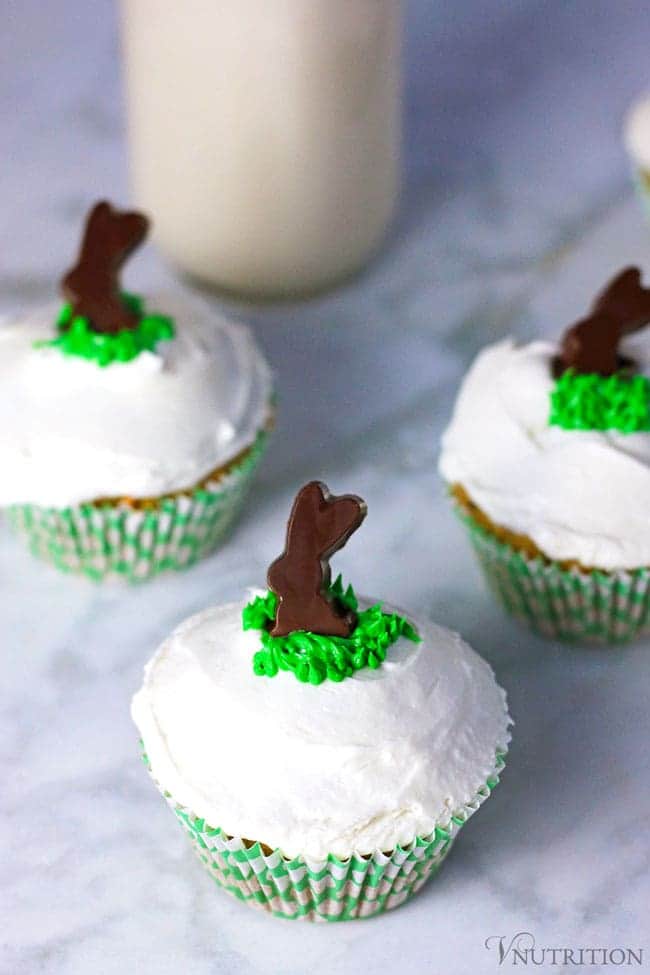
517,206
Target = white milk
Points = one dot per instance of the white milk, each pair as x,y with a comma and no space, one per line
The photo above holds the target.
265,135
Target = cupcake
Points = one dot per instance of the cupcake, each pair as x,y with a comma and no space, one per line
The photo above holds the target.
320,751
129,434
547,458
636,134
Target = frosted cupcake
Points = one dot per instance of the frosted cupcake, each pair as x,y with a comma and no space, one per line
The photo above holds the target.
547,458
128,436
637,142
321,752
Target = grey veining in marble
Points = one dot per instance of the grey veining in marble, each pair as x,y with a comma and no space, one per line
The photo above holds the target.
517,206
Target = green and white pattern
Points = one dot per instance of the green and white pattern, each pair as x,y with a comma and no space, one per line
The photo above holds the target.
324,890
566,604
103,541
642,184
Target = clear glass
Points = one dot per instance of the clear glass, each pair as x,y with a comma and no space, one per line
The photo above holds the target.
265,135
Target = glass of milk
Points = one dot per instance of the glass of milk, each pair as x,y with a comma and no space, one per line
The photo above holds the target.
265,135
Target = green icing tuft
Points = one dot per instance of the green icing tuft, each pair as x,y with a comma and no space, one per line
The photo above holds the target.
260,612
593,402
76,337
314,658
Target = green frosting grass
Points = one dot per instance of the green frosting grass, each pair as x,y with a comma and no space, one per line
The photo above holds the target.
593,402
76,337
314,658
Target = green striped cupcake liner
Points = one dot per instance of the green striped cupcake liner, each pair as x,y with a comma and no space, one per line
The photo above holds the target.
104,541
323,890
642,185
565,604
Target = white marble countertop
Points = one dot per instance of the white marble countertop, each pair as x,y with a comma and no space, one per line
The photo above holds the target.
518,206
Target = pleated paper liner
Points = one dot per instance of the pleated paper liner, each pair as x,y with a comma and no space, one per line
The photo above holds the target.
118,541
563,603
642,184
324,890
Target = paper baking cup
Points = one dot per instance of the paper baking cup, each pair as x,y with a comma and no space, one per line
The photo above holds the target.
566,604
323,890
642,184
104,541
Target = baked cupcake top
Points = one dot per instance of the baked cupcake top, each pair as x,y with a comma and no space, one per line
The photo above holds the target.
552,440
129,402
365,759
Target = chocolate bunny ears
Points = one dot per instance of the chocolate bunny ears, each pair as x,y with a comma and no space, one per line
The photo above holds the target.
319,525
92,286
591,345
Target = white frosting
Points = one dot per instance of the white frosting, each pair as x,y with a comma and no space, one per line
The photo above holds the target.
579,495
71,431
359,765
637,133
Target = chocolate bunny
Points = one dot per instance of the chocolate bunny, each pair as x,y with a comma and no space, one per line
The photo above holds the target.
92,286
318,526
591,345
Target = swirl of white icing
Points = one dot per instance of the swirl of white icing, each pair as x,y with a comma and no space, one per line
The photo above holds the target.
580,495
72,431
361,765
637,133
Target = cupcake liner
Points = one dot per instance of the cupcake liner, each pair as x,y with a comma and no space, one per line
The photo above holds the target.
642,185
114,541
566,604
323,890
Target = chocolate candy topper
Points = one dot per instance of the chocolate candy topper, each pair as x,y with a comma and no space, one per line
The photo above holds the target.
319,525
92,286
591,345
